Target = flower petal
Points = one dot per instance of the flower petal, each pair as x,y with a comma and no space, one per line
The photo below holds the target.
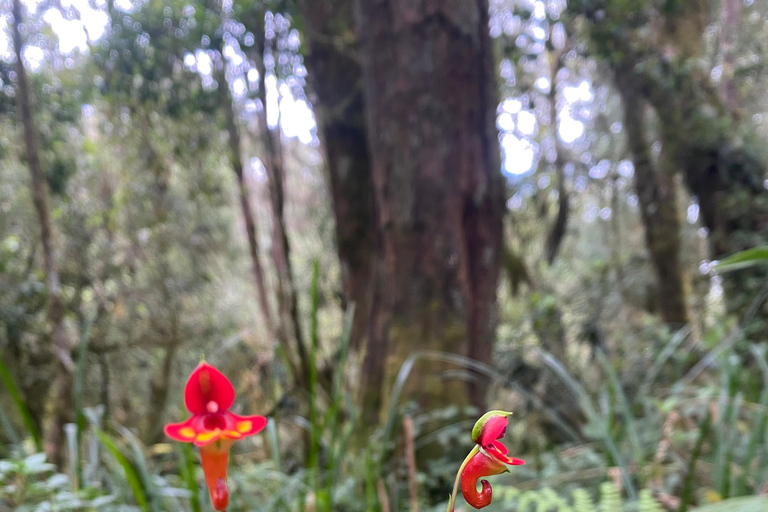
184,432
490,427
215,458
220,495
479,465
206,437
502,456
499,447
247,425
205,387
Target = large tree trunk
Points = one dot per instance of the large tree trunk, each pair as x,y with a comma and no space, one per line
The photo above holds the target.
657,197
430,103
60,400
335,78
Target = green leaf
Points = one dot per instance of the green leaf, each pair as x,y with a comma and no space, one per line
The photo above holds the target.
29,422
35,464
744,259
131,475
187,471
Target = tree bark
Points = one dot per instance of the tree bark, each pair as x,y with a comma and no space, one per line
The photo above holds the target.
61,391
335,79
657,197
430,104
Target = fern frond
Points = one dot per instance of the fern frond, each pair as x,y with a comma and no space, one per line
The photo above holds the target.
647,503
582,501
610,499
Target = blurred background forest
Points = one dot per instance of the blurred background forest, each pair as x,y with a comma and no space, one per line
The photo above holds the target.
380,219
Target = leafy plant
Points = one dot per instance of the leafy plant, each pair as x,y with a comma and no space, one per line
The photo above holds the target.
548,500
31,484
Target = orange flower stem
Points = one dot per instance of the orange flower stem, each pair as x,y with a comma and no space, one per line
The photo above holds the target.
215,458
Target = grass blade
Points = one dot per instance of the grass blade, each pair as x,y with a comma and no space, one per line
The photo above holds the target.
661,360
131,475
274,444
140,462
26,416
623,404
187,470
73,453
724,406
760,419
8,427
686,496
314,427
592,415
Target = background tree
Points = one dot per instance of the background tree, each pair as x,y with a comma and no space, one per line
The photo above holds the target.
437,188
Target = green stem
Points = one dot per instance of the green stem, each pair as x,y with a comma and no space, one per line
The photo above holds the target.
458,477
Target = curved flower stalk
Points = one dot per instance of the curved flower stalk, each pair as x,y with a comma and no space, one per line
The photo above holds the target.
488,457
208,395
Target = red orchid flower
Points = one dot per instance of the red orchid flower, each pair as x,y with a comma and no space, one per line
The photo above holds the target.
488,457
208,395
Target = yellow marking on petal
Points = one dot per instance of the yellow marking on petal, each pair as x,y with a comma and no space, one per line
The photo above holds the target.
231,434
187,432
244,426
208,435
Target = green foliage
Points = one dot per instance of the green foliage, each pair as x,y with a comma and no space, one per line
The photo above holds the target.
547,500
30,484
187,472
647,503
131,474
744,259
18,400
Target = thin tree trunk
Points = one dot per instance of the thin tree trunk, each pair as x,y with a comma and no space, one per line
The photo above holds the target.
250,222
335,79
273,164
61,391
729,37
160,384
558,230
159,390
430,103
617,198
105,384
657,198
